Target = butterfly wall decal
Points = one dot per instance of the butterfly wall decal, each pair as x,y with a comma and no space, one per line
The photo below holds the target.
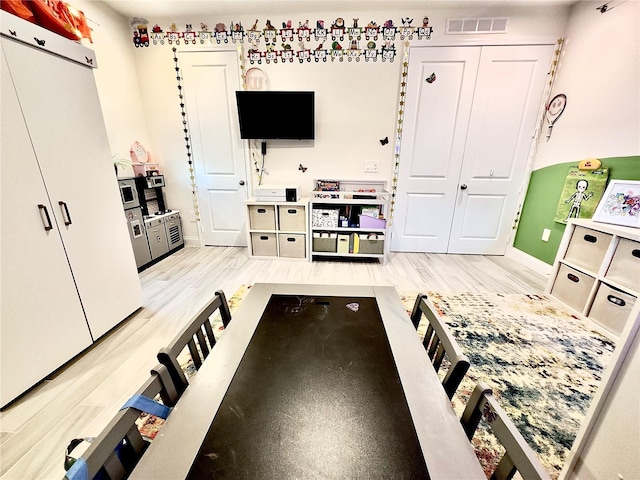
39,42
384,141
431,78
89,60
302,169
12,32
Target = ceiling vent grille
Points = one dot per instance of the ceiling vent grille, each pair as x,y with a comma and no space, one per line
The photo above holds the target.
466,26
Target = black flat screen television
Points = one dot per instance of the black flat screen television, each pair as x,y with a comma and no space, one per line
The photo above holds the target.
282,115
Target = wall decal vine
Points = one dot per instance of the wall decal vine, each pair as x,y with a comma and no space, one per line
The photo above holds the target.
398,140
187,138
185,124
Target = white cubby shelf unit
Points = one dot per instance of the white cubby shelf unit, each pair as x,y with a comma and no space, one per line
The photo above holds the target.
597,272
278,229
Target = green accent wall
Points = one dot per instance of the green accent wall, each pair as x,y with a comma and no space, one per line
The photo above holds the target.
541,202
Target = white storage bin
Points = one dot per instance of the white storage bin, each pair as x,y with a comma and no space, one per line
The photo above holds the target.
292,218
625,264
572,287
611,308
262,217
325,217
264,244
292,245
587,248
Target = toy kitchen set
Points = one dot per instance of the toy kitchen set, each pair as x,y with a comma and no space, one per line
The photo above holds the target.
155,230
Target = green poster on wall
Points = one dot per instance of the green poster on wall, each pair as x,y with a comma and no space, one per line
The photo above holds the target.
581,194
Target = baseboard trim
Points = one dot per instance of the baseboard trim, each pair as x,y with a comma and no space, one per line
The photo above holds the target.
192,242
528,261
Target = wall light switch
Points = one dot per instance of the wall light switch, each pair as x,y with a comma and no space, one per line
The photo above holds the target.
370,166
546,233
192,216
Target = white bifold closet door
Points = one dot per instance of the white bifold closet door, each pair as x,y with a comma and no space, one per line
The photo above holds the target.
470,116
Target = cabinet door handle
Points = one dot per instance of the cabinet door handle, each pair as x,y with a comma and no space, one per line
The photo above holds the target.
47,224
65,212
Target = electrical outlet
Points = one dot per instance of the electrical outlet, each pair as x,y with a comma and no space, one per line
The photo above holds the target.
192,216
546,233
371,167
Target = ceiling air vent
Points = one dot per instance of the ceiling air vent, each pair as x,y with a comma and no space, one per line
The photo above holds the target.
466,26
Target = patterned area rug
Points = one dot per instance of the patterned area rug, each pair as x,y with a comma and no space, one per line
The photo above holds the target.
543,364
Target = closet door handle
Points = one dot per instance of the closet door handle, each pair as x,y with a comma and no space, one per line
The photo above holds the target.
47,224
65,212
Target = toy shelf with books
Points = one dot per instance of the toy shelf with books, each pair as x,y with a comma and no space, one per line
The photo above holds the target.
348,219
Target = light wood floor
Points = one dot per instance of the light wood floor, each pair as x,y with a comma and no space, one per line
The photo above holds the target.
82,397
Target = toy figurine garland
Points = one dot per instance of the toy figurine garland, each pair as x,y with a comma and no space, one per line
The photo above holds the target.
336,41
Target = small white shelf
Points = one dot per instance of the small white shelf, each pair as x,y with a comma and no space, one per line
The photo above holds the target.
352,193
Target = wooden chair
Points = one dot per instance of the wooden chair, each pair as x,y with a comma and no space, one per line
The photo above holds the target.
115,452
518,456
439,341
194,336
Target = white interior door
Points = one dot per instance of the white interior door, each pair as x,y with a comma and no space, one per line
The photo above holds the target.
463,156
441,82
507,97
210,82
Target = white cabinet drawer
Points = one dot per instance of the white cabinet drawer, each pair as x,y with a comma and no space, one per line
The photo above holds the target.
611,308
292,218
292,245
625,265
264,244
262,217
587,248
572,287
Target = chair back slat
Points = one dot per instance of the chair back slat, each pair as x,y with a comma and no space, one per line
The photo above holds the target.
118,448
438,342
198,337
518,456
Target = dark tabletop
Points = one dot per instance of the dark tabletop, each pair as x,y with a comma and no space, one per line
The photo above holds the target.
316,395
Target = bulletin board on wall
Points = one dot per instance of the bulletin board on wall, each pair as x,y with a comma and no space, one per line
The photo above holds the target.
541,203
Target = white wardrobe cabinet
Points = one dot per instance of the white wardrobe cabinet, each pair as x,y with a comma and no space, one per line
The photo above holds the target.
68,271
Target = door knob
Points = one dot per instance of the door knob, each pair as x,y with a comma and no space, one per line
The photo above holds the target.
241,182
463,186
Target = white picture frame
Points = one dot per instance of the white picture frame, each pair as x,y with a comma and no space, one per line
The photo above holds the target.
620,204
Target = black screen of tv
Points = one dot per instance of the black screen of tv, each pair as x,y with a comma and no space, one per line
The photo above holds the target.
276,115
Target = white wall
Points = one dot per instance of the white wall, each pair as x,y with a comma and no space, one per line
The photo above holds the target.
356,101
116,79
600,74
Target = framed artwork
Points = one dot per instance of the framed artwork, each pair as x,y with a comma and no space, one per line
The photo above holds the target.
620,204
